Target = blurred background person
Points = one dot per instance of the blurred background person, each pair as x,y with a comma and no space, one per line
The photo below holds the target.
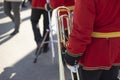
13,6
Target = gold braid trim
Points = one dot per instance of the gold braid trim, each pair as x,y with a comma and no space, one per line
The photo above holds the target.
116,64
99,67
105,35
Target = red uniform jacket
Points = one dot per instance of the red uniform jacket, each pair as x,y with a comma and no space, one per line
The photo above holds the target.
38,4
95,16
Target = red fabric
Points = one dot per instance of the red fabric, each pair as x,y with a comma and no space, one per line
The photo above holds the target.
97,16
38,3
57,3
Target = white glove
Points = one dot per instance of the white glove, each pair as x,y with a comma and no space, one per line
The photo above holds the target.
73,69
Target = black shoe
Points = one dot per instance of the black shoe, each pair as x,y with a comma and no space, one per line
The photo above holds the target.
45,49
15,32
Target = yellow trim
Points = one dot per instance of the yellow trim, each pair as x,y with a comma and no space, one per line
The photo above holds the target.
98,67
105,35
74,55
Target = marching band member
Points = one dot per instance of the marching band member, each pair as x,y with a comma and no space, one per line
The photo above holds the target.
13,6
37,10
94,42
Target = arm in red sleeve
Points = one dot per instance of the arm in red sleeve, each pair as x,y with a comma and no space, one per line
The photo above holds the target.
83,22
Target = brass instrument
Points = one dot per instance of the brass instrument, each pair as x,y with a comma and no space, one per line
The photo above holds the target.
64,16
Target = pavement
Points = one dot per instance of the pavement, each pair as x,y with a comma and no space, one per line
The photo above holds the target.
18,52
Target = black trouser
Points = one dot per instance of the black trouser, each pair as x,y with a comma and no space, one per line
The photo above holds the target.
111,74
15,7
35,16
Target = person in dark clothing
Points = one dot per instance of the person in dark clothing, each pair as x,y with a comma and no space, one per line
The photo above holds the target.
13,6
37,11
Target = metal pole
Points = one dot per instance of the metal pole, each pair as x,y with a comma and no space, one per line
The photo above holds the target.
51,37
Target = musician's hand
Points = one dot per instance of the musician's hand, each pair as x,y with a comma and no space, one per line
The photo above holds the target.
47,7
73,68
71,60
